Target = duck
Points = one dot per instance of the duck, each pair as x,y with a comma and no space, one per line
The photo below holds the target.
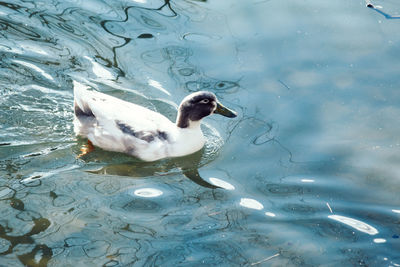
120,126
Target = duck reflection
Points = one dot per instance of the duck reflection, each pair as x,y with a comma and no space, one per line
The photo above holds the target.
188,166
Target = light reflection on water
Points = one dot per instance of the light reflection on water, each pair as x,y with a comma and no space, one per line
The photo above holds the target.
356,224
148,192
251,203
306,175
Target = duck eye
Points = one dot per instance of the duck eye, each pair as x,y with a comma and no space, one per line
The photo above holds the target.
204,101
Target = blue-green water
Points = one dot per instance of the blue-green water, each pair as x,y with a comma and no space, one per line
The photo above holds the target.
310,167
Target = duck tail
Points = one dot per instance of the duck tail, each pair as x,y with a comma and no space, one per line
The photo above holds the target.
81,108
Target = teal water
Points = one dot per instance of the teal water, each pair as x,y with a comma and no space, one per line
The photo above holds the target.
309,170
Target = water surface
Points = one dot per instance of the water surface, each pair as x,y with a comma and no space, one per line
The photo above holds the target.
308,171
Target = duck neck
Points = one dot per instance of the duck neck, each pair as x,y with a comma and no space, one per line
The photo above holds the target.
183,121
189,135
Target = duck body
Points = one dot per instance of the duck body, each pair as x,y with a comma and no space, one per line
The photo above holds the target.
116,125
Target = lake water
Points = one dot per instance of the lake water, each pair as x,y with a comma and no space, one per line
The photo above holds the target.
309,172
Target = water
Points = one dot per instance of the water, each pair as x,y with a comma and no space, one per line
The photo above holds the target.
309,168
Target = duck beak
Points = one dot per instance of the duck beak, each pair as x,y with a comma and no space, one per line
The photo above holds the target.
224,111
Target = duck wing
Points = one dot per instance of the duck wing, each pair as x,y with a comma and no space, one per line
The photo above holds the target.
117,125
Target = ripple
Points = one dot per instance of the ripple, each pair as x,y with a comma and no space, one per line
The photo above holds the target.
62,200
59,23
268,135
76,241
28,215
194,86
6,192
152,23
4,245
142,205
97,248
284,190
300,208
175,222
329,229
127,255
108,187
214,142
37,187
176,53
186,71
153,56
100,71
135,231
90,218
200,37
111,263
218,86
205,253
35,68
225,86
18,29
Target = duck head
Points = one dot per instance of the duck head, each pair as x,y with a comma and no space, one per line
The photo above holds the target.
198,105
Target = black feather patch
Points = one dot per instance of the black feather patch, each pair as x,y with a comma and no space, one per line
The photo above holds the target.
80,113
145,136
162,135
125,128
148,137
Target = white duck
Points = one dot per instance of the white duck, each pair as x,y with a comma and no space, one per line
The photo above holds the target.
117,125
